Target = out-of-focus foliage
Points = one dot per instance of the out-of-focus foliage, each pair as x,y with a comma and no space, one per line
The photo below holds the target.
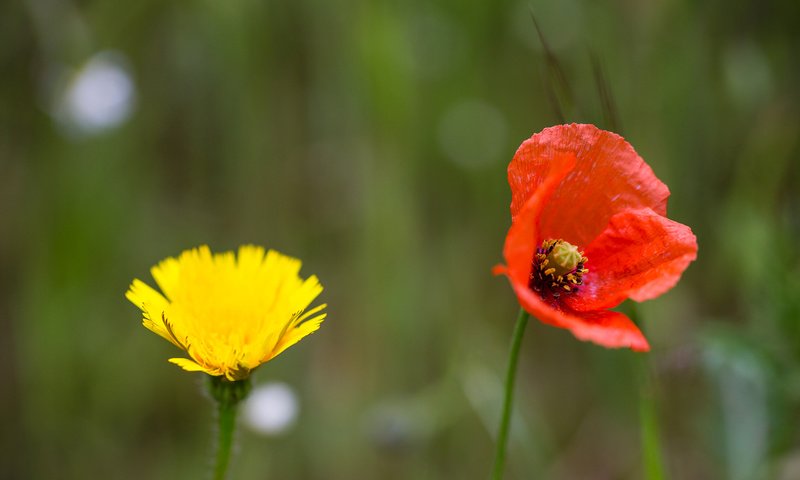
370,138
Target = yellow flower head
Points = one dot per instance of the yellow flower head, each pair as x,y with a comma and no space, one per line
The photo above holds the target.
230,314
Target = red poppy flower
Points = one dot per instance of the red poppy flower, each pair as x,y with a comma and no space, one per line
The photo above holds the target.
588,230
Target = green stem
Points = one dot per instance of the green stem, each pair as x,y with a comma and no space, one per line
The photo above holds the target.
227,395
652,459
511,375
648,419
226,415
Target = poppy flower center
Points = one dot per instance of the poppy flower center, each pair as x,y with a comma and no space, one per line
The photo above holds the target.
558,268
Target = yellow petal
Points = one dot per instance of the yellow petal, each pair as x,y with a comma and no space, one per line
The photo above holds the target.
230,311
188,365
144,296
307,314
152,304
250,257
167,275
296,334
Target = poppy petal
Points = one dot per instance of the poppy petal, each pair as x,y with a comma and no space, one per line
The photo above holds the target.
610,329
523,236
609,177
639,255
604,327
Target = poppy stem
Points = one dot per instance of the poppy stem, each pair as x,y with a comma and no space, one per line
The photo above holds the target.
511,375
648,418
650,433
227,395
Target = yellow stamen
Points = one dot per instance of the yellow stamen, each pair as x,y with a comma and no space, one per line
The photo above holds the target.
558,267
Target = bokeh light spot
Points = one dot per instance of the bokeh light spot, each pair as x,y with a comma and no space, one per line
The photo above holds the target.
472,134
99,96
271,409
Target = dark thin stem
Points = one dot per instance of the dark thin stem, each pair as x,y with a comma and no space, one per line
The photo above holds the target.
511,376
607,104
557,88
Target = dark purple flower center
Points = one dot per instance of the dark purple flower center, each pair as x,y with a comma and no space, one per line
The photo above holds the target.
557,269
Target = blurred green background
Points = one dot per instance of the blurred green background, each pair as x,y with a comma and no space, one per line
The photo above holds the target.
370,139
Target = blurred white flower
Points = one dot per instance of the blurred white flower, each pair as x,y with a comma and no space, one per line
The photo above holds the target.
98,96
271,409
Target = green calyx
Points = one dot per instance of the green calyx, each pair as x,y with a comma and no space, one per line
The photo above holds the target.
226,392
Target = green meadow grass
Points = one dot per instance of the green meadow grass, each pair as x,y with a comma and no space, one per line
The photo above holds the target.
371,139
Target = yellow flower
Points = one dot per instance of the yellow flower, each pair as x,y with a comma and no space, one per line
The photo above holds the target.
229,314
